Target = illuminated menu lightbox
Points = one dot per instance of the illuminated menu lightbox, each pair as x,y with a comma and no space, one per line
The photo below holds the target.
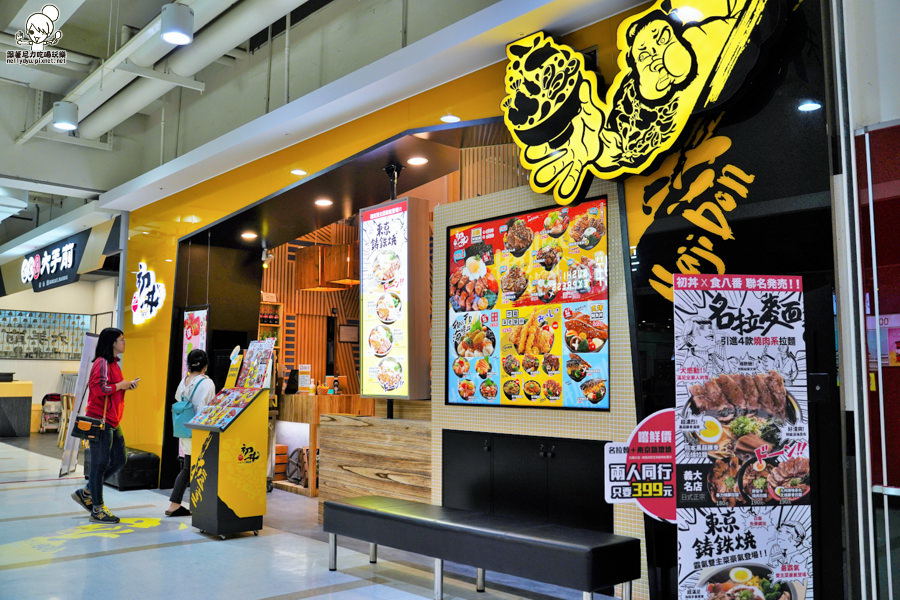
394,341
528,312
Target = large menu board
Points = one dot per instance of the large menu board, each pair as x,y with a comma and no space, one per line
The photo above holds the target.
742,437
384,271
528,313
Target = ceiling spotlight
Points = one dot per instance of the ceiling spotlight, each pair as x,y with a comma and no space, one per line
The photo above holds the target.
267,256
448,118
323,202
249,235
417,161
809,106
298,172
65,115
177,24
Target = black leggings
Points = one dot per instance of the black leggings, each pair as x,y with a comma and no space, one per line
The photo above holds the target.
182,481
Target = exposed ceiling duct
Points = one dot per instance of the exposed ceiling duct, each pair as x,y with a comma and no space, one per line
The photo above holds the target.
144,49
213,42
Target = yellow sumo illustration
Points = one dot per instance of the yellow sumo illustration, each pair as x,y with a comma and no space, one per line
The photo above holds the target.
672,62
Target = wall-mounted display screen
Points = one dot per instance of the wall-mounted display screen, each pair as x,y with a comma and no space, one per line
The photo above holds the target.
528,321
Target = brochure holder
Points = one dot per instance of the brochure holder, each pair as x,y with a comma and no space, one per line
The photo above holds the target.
229,451
229,458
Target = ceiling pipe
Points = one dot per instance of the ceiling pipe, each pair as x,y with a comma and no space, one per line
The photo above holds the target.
144,49
213,42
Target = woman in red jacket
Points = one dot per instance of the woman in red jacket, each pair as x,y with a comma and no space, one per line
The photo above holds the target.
106,401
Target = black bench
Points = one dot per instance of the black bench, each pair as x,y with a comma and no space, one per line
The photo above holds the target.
582,559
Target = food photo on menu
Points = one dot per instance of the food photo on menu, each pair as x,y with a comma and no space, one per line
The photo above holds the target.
520,274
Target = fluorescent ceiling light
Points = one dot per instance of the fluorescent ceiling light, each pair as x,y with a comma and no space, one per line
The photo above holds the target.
324,202
177,24
809,106
65,115
298,172
417,161
249,235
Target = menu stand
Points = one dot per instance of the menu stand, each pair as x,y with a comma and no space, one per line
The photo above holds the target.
229,463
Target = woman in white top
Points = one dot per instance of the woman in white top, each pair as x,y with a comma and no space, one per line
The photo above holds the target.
199,390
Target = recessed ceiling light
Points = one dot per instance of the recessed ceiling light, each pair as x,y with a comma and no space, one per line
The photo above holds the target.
146,232
323,202
809,106
448,118
417,161
249,235
298,172
192,219
168,260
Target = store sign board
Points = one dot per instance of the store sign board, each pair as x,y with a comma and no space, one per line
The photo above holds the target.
742,436
384,295
673,63
148,298
528,313
55,265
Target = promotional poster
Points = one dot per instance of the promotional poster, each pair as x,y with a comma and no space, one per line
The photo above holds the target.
384,295
742,437
193,334
528,309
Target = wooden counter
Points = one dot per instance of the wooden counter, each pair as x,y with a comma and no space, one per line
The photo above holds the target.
370,455
304,408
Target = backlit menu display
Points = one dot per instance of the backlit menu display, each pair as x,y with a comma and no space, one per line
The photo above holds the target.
528,309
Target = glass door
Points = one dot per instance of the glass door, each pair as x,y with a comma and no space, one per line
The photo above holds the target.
878,180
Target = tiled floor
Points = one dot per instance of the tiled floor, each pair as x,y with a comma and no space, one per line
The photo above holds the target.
49,549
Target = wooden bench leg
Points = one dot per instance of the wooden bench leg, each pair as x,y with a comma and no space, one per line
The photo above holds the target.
373,553
332,552
479,580
626,590
438,579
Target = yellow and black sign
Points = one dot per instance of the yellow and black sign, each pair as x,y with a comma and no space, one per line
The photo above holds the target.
672,62
228,472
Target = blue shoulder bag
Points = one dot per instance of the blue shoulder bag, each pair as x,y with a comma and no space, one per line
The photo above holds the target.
182,412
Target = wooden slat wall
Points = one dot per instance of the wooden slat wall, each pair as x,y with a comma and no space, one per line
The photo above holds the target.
489,169
361,456
306,312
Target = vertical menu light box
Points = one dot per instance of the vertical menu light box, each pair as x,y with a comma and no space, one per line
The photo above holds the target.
394,317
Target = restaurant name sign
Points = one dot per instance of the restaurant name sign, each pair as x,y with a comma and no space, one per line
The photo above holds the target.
672,63
56,264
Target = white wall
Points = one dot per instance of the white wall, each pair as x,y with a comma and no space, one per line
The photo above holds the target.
873,47
81,297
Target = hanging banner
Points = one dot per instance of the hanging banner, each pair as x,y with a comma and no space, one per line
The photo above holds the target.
742,438
194,334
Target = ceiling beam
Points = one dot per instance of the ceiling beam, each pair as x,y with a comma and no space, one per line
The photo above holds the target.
187,82
75,141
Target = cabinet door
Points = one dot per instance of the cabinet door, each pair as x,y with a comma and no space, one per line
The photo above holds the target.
466,470
520,476
575,481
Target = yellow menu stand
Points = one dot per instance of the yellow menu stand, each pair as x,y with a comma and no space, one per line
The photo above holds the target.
229,460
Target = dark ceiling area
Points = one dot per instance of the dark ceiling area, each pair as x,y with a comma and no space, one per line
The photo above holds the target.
356,183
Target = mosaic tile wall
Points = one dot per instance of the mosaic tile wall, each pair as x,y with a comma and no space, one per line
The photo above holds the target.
615,425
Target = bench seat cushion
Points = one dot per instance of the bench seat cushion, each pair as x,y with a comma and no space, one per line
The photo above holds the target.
578,558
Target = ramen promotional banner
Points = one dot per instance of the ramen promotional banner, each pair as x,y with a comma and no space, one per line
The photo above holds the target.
742,437
528,321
